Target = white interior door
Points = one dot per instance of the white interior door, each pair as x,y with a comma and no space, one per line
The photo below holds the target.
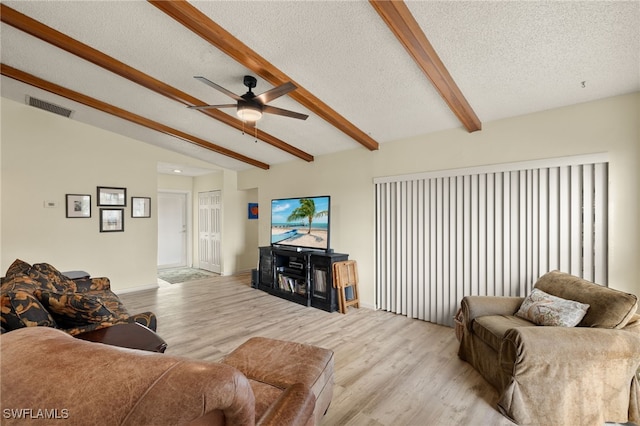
172,229
209,231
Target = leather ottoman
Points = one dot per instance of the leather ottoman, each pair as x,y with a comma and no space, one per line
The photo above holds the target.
273,365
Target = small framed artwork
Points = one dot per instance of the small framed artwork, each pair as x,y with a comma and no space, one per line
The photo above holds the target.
111,220
140,207
78,205
252,211
108,196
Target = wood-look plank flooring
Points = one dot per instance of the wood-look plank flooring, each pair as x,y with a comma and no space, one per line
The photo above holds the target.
389,370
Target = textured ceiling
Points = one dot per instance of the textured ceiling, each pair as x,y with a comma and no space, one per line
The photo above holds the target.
508,59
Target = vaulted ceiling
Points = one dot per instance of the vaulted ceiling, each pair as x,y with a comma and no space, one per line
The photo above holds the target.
367,72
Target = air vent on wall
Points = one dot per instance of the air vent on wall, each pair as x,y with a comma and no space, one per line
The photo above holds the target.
48,106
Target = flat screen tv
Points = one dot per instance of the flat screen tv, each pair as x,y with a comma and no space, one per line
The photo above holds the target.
301,222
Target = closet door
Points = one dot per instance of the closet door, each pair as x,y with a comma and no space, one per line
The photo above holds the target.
209,227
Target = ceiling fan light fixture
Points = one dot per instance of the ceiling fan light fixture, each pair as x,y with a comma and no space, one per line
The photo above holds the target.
249,113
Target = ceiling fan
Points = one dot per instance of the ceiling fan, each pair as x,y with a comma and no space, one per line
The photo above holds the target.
250,106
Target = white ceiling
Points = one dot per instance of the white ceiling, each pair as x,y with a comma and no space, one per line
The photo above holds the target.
508,58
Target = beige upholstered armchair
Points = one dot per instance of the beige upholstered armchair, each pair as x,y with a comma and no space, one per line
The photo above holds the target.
558,375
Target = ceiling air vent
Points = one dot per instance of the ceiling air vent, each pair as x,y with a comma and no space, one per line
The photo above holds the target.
48,106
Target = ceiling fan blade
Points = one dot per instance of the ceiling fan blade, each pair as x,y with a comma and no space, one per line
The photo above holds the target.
279,111
219,88
212,106
276,92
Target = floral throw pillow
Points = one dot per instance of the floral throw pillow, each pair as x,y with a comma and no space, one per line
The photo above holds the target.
21,309
75,309
545,309
18,267
50,278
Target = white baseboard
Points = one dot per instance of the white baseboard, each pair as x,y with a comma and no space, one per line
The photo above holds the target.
368,306
136,289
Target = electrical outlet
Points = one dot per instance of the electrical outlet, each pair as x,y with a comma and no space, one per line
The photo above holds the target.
50,204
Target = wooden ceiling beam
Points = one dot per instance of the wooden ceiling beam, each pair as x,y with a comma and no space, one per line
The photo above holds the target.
202,25
43,32
402,23
34,81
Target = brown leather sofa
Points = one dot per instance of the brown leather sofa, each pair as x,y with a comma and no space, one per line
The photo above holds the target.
553,375
48,374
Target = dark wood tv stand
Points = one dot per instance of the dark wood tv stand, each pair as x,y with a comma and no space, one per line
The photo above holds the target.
301,276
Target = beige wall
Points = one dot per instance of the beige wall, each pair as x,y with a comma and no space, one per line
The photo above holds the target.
239,234
175,183
237,254
609,125
44,157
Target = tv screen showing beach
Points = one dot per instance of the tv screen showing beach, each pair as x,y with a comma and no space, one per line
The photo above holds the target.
301,222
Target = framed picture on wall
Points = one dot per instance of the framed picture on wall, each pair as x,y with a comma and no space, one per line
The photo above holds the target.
252,212
78,205
111,220
140,207
109,196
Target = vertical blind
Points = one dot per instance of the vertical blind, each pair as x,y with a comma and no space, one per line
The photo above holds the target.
492,231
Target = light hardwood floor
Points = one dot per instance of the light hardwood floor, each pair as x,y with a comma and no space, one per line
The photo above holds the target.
389,370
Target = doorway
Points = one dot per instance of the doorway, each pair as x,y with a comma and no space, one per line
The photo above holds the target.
172,229
209,231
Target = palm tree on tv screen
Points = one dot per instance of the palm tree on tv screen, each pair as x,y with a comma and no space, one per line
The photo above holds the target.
306,210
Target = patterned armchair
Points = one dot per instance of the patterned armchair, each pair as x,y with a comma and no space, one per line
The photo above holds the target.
40,295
